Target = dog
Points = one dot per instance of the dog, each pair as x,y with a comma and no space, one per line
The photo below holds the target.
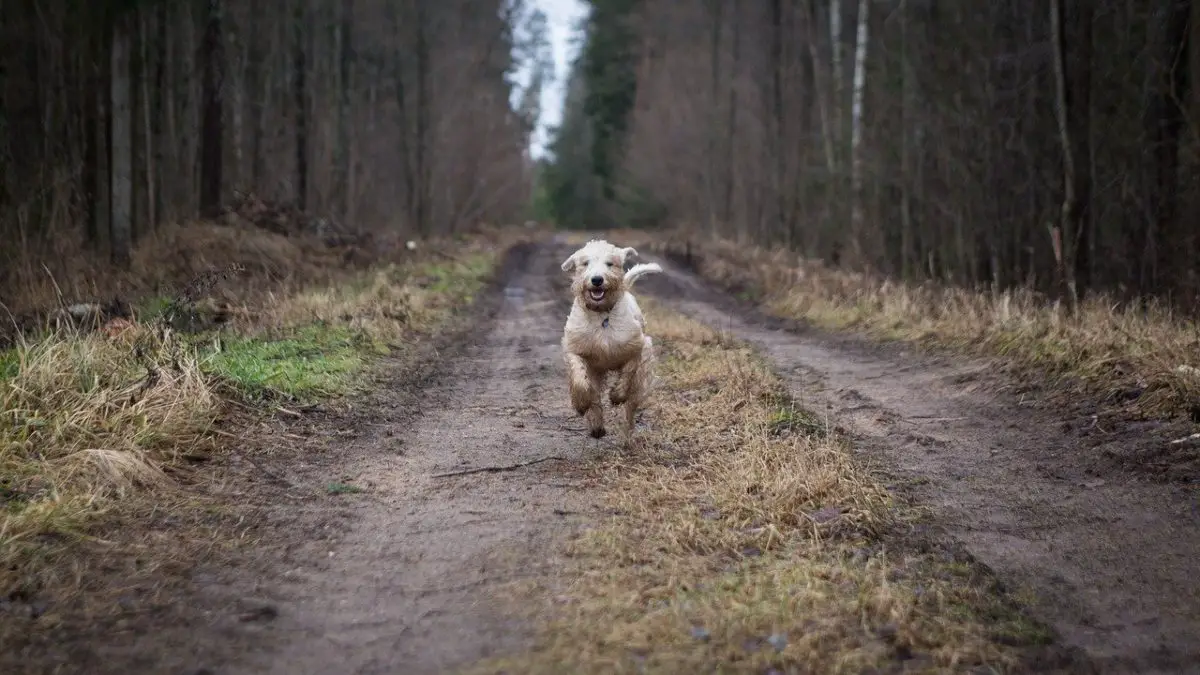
605,333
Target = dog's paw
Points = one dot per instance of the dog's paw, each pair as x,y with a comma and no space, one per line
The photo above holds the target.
617,396
599,432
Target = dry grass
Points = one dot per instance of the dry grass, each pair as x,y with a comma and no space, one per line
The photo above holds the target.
96,428
164,259
386,303
748,539
1146,355
83,430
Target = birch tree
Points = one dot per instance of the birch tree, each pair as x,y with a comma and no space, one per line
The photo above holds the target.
856,131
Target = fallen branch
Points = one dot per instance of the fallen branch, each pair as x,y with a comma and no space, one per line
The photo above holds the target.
447,256
267,472
499,469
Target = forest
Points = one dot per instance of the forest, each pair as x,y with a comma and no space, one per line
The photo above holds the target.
126,116
1004,144
1048,145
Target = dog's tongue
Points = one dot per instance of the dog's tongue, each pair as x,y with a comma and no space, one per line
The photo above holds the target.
597,295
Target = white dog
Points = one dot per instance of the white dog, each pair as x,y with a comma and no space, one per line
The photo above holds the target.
605,333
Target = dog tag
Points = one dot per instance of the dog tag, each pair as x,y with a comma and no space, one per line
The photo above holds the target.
604,324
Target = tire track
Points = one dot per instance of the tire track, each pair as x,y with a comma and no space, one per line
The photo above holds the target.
1114,565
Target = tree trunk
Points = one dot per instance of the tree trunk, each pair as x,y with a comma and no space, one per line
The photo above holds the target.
731,127
235,75
404,139
212,131
120,136
149,145
170,31
714,220
422,132
140,198
857,192
300,101
908,114
839,85
1163,247
778,147
343,154
826,112
260,95
1071,37
161,111
95,147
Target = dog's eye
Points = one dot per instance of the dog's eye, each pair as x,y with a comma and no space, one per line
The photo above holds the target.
609,264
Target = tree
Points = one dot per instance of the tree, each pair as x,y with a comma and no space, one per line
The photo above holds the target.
1166,91
120,138
856,132
300,48
1072,36
536,50
212,132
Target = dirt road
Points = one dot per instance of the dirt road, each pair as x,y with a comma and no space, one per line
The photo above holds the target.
408,575
1110,561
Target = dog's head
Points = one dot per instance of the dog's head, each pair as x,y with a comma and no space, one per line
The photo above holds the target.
598,274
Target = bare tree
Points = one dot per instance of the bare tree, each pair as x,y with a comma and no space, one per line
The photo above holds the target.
212,134
120,149
856,131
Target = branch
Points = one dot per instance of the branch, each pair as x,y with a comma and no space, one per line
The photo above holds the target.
499,469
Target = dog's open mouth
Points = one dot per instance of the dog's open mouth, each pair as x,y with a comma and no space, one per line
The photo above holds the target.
596,294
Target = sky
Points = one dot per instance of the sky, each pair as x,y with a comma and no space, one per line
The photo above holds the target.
561,17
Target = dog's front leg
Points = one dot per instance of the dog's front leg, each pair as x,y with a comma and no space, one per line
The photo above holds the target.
585,387
579,384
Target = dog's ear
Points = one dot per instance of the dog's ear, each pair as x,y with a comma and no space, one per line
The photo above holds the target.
629,252
568,265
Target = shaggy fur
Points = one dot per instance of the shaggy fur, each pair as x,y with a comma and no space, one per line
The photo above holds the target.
605,334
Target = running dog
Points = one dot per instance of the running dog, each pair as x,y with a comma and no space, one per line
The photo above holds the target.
605,333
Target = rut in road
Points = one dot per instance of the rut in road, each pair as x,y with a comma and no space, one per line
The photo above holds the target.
411,586
1114,564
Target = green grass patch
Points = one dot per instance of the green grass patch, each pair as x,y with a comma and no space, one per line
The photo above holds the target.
152,307
343,489
796,420
10,363
329,334
302,364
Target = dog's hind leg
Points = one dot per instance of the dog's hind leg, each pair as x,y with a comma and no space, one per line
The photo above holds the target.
628,377
623,383
637,386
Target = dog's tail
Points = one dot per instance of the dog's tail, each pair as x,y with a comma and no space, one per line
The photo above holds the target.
640,270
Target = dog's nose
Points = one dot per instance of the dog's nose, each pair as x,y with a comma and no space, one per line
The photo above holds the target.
596,281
